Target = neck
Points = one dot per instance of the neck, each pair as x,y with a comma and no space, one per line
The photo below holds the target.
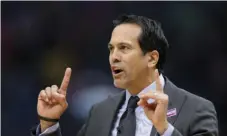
138,85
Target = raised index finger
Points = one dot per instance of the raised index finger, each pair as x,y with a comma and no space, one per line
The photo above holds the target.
158,82
65,81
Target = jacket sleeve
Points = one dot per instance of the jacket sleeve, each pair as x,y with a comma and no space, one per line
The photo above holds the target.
204,122
35,131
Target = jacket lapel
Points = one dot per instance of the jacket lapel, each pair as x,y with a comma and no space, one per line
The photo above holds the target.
176,101
111,112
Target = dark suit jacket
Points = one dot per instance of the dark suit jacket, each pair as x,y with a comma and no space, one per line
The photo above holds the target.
196,116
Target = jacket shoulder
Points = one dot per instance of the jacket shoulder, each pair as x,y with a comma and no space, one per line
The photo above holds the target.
111,99
193,97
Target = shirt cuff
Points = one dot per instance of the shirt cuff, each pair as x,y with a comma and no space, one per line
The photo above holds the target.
48,130
169,131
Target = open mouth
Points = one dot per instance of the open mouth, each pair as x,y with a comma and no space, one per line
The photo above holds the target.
117,71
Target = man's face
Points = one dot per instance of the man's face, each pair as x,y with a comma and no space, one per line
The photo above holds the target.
128,63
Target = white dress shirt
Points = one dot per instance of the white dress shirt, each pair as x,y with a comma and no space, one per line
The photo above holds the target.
143,124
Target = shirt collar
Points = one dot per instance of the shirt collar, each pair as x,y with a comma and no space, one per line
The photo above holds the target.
151,87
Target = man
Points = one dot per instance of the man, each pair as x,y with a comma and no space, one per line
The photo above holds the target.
150,105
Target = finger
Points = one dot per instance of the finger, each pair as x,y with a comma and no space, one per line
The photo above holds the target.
158,82
43,96
149,95
60,98
148,100
142,103
147,106
54,89
65,81
151,107
149,112
160,98
48,93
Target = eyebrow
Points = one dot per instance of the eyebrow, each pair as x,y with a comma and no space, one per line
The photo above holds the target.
121,43
124,43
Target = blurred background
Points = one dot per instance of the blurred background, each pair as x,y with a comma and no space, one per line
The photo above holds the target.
40,39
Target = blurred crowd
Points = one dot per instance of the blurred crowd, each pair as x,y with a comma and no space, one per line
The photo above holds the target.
40,39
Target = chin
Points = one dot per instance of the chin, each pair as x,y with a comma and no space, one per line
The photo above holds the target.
119,84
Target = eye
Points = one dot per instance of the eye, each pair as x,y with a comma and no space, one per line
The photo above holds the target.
123,47
110,48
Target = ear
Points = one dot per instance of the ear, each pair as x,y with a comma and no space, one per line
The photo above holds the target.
153,58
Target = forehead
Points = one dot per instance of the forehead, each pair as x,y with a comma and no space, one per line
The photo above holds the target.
127,33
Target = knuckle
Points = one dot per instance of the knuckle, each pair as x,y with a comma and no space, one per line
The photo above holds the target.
47,88
54,101
166,98
42,92
53,89
54,86
48,92
63,98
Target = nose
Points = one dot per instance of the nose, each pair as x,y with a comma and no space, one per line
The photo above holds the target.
114,56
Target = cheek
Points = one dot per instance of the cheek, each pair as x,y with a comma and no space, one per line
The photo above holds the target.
134,64
132,70
137,69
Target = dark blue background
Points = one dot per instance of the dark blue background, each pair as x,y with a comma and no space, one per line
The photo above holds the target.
40,39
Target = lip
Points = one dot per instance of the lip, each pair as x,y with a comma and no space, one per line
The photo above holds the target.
115,75
113,68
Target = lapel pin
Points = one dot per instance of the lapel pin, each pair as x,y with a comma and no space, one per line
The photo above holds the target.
172,112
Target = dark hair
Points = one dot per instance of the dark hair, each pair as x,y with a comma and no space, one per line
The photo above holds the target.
151,38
